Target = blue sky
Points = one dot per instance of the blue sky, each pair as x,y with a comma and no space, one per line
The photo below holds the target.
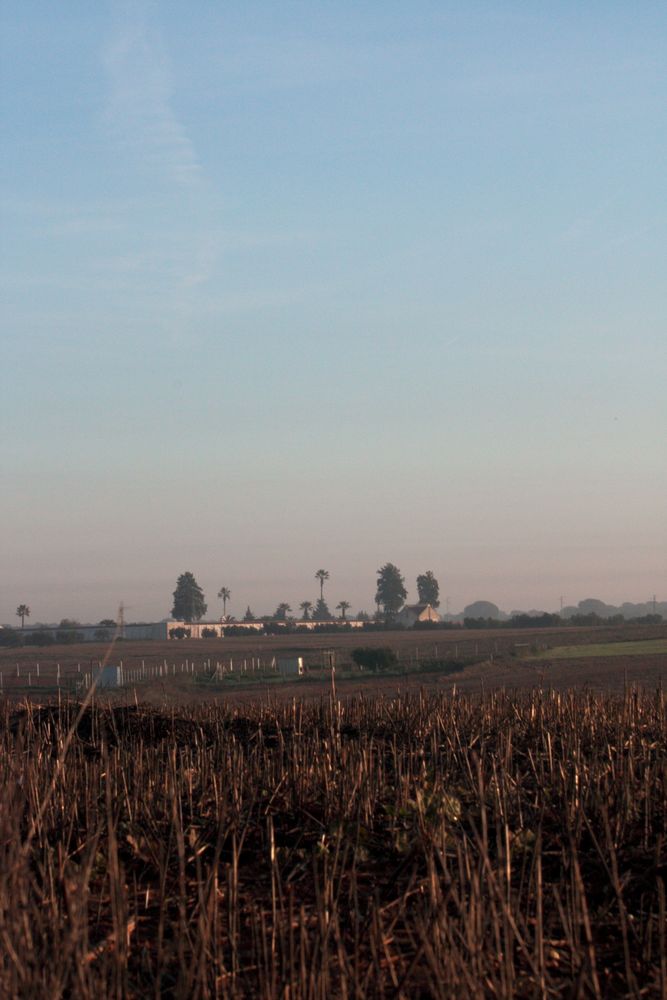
291,285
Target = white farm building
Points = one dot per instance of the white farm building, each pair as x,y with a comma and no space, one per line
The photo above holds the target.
171,628
413,613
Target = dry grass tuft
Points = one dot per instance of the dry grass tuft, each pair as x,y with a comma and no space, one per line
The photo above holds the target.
420,846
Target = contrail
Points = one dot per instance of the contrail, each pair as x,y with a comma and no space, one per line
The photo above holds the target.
138,112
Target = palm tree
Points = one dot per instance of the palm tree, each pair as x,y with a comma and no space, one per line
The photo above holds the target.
305,607
344,605
23,612
224,595
282,611
322,575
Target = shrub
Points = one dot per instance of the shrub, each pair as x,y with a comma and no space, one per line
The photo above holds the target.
68,636
10,637
277,628
42,638
374,658
482,623
209,633
588,619
544,620
180,633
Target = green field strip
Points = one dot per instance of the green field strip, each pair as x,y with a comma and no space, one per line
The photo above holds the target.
642,648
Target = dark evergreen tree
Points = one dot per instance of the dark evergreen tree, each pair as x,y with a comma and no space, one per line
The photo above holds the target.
428,589
189,603
391,592
321,612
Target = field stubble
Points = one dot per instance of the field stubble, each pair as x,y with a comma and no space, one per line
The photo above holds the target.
417,846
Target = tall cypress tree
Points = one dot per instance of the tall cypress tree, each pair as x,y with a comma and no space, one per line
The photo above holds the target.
428,589
189,603
391,592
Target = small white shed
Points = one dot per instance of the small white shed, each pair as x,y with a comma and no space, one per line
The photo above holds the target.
110,676
289,666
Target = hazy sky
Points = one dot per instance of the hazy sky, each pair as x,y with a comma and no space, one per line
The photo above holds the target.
330,284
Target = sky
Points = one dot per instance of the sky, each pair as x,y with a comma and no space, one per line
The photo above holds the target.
302,285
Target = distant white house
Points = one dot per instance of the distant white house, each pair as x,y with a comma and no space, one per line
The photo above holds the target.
413,613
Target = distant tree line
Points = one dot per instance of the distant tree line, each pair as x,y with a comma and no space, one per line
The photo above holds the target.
189,605
66,633
547,620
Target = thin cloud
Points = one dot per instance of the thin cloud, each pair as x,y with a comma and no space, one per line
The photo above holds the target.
59,218
138,113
